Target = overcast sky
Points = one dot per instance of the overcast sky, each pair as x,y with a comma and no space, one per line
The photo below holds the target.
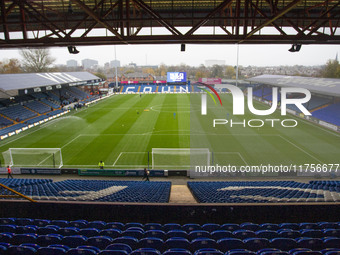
195,55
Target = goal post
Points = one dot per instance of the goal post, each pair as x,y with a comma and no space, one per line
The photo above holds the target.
33,157
179,158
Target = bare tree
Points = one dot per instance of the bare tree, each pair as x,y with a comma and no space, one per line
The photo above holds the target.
10,66
36,60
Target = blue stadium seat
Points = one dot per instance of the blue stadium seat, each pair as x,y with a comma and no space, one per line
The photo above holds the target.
119,247
24,238
5,238
201,243
99,241
68,231
284,244
249,226
20,250
307,253
63,246
269,234
208,251
111,232
315,233
243,234
298,249
171,226
230,244
33,245
145,251
269,226
74,241
191,227
333,253
51,251
97,225
133,225
3,249
89,247
240,252
47,230
288,233
115,225
110,252
314,244
255,244
331,242
45,240
153,226
177,233
25,230
88,232
8,228
230,227
220,234
268,250
177,251
199,234
292,226
131,241
324,251
139,234
151,242
210,227
155,233
77,251
332,232
177,242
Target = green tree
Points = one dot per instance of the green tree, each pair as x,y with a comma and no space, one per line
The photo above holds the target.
230,72
217,71
331,70
36,60
10,66
100,75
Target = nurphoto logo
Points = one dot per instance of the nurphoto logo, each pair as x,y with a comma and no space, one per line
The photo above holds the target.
239,100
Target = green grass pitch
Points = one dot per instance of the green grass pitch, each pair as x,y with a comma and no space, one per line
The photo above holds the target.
122,129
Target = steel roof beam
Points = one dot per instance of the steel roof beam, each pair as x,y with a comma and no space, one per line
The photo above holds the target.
208,17
97,18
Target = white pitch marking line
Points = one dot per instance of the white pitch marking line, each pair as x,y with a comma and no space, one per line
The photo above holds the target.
66,144
240,155
120,154
300,149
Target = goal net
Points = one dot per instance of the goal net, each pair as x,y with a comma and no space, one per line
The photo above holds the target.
179,158
33,157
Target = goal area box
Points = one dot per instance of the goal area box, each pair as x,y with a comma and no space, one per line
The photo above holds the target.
179,158
33,157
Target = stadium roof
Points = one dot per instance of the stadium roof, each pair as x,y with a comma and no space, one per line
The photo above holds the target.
38,23
12,84
322,86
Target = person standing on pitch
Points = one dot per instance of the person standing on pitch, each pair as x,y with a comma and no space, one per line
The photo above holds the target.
9,172
101,164
146,175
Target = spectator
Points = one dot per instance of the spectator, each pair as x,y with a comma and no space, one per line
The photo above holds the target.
146,175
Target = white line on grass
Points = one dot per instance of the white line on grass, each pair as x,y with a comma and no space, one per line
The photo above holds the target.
242,158
120,154
300,149
232,152
66,144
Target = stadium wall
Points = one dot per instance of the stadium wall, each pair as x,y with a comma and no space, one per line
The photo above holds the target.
179,213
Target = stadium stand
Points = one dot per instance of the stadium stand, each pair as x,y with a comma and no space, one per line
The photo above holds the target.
38,107
5,122
263,192
92,190
329,114
38,236
17,112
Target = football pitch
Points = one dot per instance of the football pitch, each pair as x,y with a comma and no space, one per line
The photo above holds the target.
123,130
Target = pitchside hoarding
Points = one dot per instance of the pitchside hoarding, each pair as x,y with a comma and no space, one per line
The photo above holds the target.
176,77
